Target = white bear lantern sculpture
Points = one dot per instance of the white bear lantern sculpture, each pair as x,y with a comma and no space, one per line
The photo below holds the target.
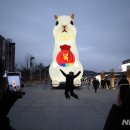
65,55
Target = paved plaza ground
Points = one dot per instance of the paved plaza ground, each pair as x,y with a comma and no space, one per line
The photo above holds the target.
47,109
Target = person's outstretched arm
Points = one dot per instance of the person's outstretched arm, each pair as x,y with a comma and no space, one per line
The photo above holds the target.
77,74
63,73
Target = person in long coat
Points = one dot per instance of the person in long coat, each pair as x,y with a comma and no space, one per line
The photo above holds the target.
119,115
95,84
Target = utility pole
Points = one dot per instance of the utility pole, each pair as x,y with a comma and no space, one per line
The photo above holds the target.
31,58
45,74
40,74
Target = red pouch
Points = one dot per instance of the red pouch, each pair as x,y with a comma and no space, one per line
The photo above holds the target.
65,57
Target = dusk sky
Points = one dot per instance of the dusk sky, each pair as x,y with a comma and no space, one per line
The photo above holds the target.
103,29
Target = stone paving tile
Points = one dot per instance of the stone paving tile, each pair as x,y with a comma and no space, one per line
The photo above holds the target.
47,109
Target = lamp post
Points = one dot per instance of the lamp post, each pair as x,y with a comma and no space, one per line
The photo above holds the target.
31,58
40,74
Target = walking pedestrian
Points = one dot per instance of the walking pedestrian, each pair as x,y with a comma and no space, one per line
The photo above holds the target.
95,84
88,85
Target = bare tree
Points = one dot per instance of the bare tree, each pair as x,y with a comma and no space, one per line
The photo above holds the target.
27,61
39,68
25,66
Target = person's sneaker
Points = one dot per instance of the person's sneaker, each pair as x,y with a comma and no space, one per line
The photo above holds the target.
78,98
23,93
20,96
68,97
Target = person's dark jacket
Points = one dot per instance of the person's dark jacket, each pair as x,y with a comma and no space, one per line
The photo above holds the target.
123,81
102,83
95,83
70,79
116,116
1,79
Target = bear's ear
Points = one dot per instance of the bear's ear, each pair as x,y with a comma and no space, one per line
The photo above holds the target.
56,17
72,16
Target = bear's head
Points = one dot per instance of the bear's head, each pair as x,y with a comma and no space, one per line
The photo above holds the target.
64,29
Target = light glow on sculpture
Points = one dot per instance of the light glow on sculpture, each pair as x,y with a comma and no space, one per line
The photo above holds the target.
64,37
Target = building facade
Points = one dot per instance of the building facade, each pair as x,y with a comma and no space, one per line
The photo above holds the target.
7,54
125,65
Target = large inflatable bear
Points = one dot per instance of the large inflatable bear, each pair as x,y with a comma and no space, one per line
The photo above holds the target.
65,54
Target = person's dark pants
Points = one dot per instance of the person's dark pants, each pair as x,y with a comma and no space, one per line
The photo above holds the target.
67,92
73,94
71,90
6,102
103,86
95,88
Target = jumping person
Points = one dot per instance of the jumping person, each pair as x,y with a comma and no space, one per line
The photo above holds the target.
69,87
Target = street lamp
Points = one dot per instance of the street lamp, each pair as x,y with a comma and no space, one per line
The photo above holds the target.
31,58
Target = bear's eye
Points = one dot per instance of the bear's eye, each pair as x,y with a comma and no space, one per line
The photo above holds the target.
57,23
71,22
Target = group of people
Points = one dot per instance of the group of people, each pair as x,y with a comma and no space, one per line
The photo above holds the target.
105,83
96,84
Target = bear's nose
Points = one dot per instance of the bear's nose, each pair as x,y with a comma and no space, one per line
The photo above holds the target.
64,28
